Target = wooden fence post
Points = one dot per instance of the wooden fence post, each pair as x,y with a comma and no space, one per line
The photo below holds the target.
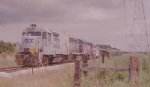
134,70
103,60
32,60
85,64
77,74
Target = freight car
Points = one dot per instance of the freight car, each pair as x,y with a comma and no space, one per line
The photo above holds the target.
38,46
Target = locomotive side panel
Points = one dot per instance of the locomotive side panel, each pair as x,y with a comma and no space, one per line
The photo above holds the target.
74,45
96,51
64,44
88,49
47,43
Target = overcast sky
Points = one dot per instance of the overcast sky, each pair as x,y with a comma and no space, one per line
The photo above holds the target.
99,21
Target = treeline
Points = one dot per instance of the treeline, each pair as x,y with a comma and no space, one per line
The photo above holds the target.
7,47
109,47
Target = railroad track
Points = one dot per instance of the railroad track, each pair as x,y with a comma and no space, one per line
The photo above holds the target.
12,69
19,68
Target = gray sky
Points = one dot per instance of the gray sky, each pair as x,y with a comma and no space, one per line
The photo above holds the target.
99,21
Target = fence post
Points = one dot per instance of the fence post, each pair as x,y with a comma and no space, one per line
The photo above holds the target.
32,60
85,64
134,70
103,60
77,74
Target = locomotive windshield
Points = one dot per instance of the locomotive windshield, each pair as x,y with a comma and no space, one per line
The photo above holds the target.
32,34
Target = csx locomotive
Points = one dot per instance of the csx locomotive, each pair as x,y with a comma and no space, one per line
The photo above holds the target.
38,46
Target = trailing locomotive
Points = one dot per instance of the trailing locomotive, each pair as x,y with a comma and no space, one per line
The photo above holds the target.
39,46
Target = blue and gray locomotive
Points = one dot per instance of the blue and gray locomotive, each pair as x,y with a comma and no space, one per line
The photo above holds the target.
38,46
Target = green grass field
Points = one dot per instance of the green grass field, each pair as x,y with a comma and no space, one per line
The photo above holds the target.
64,77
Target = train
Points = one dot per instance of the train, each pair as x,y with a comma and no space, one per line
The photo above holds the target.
41,46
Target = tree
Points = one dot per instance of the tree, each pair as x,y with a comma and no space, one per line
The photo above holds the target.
7,47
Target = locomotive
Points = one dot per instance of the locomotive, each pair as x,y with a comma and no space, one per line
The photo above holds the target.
38,46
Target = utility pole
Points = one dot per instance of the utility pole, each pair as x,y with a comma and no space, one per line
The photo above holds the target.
140,30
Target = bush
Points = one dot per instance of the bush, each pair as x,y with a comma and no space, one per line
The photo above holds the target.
7,47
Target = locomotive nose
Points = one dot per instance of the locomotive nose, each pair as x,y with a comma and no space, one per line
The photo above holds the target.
30,43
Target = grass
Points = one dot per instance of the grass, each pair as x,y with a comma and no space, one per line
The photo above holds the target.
108,79
64,76
7,60
55,78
